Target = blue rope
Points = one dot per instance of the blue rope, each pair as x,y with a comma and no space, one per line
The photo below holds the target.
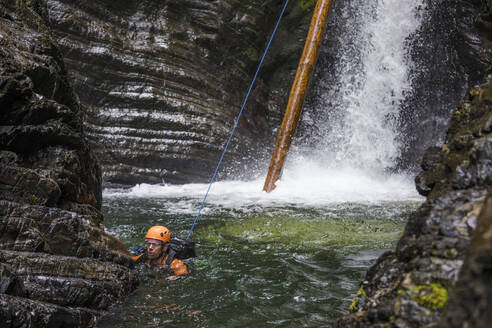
237,119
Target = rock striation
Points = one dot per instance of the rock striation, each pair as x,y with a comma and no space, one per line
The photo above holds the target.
160,83
58,268
163,81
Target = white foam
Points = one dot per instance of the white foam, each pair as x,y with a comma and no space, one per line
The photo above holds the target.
371,83
305,184
357,113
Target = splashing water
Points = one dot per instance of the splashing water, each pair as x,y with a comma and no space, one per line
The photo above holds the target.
321,188
354,139
293,257
360,95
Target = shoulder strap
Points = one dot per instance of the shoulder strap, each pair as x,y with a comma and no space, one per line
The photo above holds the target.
170,256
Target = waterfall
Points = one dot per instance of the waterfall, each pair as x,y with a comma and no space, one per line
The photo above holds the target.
348,138
363,76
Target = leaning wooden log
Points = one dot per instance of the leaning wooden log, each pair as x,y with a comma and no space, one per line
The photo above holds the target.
298,93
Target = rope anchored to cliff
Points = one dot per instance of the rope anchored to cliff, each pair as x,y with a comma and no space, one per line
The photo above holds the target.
237,120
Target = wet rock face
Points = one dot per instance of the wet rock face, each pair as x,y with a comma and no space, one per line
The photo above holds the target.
465,159
450,53
44,155
411,286
163,81
58,267
439,274
469,302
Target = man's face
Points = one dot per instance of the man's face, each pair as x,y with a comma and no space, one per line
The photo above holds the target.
154,248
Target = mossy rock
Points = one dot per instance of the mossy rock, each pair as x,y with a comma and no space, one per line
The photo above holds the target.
433,296
361,293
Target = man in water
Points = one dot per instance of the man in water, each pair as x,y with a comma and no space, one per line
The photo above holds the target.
157,242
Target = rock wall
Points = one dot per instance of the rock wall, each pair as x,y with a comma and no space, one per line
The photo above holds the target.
469,302
160,84
439,273
58,267
411,286
163,81
449,55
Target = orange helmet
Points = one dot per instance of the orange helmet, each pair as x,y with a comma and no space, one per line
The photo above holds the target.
160,233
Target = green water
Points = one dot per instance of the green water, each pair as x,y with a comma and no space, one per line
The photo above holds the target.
256,267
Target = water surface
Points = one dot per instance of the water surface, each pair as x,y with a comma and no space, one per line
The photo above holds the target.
263,260
295,257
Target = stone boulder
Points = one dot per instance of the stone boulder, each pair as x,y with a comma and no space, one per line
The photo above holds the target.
439,273
58,267
412,285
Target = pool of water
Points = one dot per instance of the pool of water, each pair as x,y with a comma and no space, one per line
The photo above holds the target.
260,263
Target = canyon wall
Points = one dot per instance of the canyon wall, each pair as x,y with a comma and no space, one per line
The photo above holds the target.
163,81
156,87
412,285
58,267
439,273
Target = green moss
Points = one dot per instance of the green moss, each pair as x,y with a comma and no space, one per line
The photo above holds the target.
45,40
201,264
361,293
252,54
306,4
433,296
241,65
34,199
251,30
451,253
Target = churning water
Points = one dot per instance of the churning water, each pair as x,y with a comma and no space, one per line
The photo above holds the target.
293,257
261,262
352,116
